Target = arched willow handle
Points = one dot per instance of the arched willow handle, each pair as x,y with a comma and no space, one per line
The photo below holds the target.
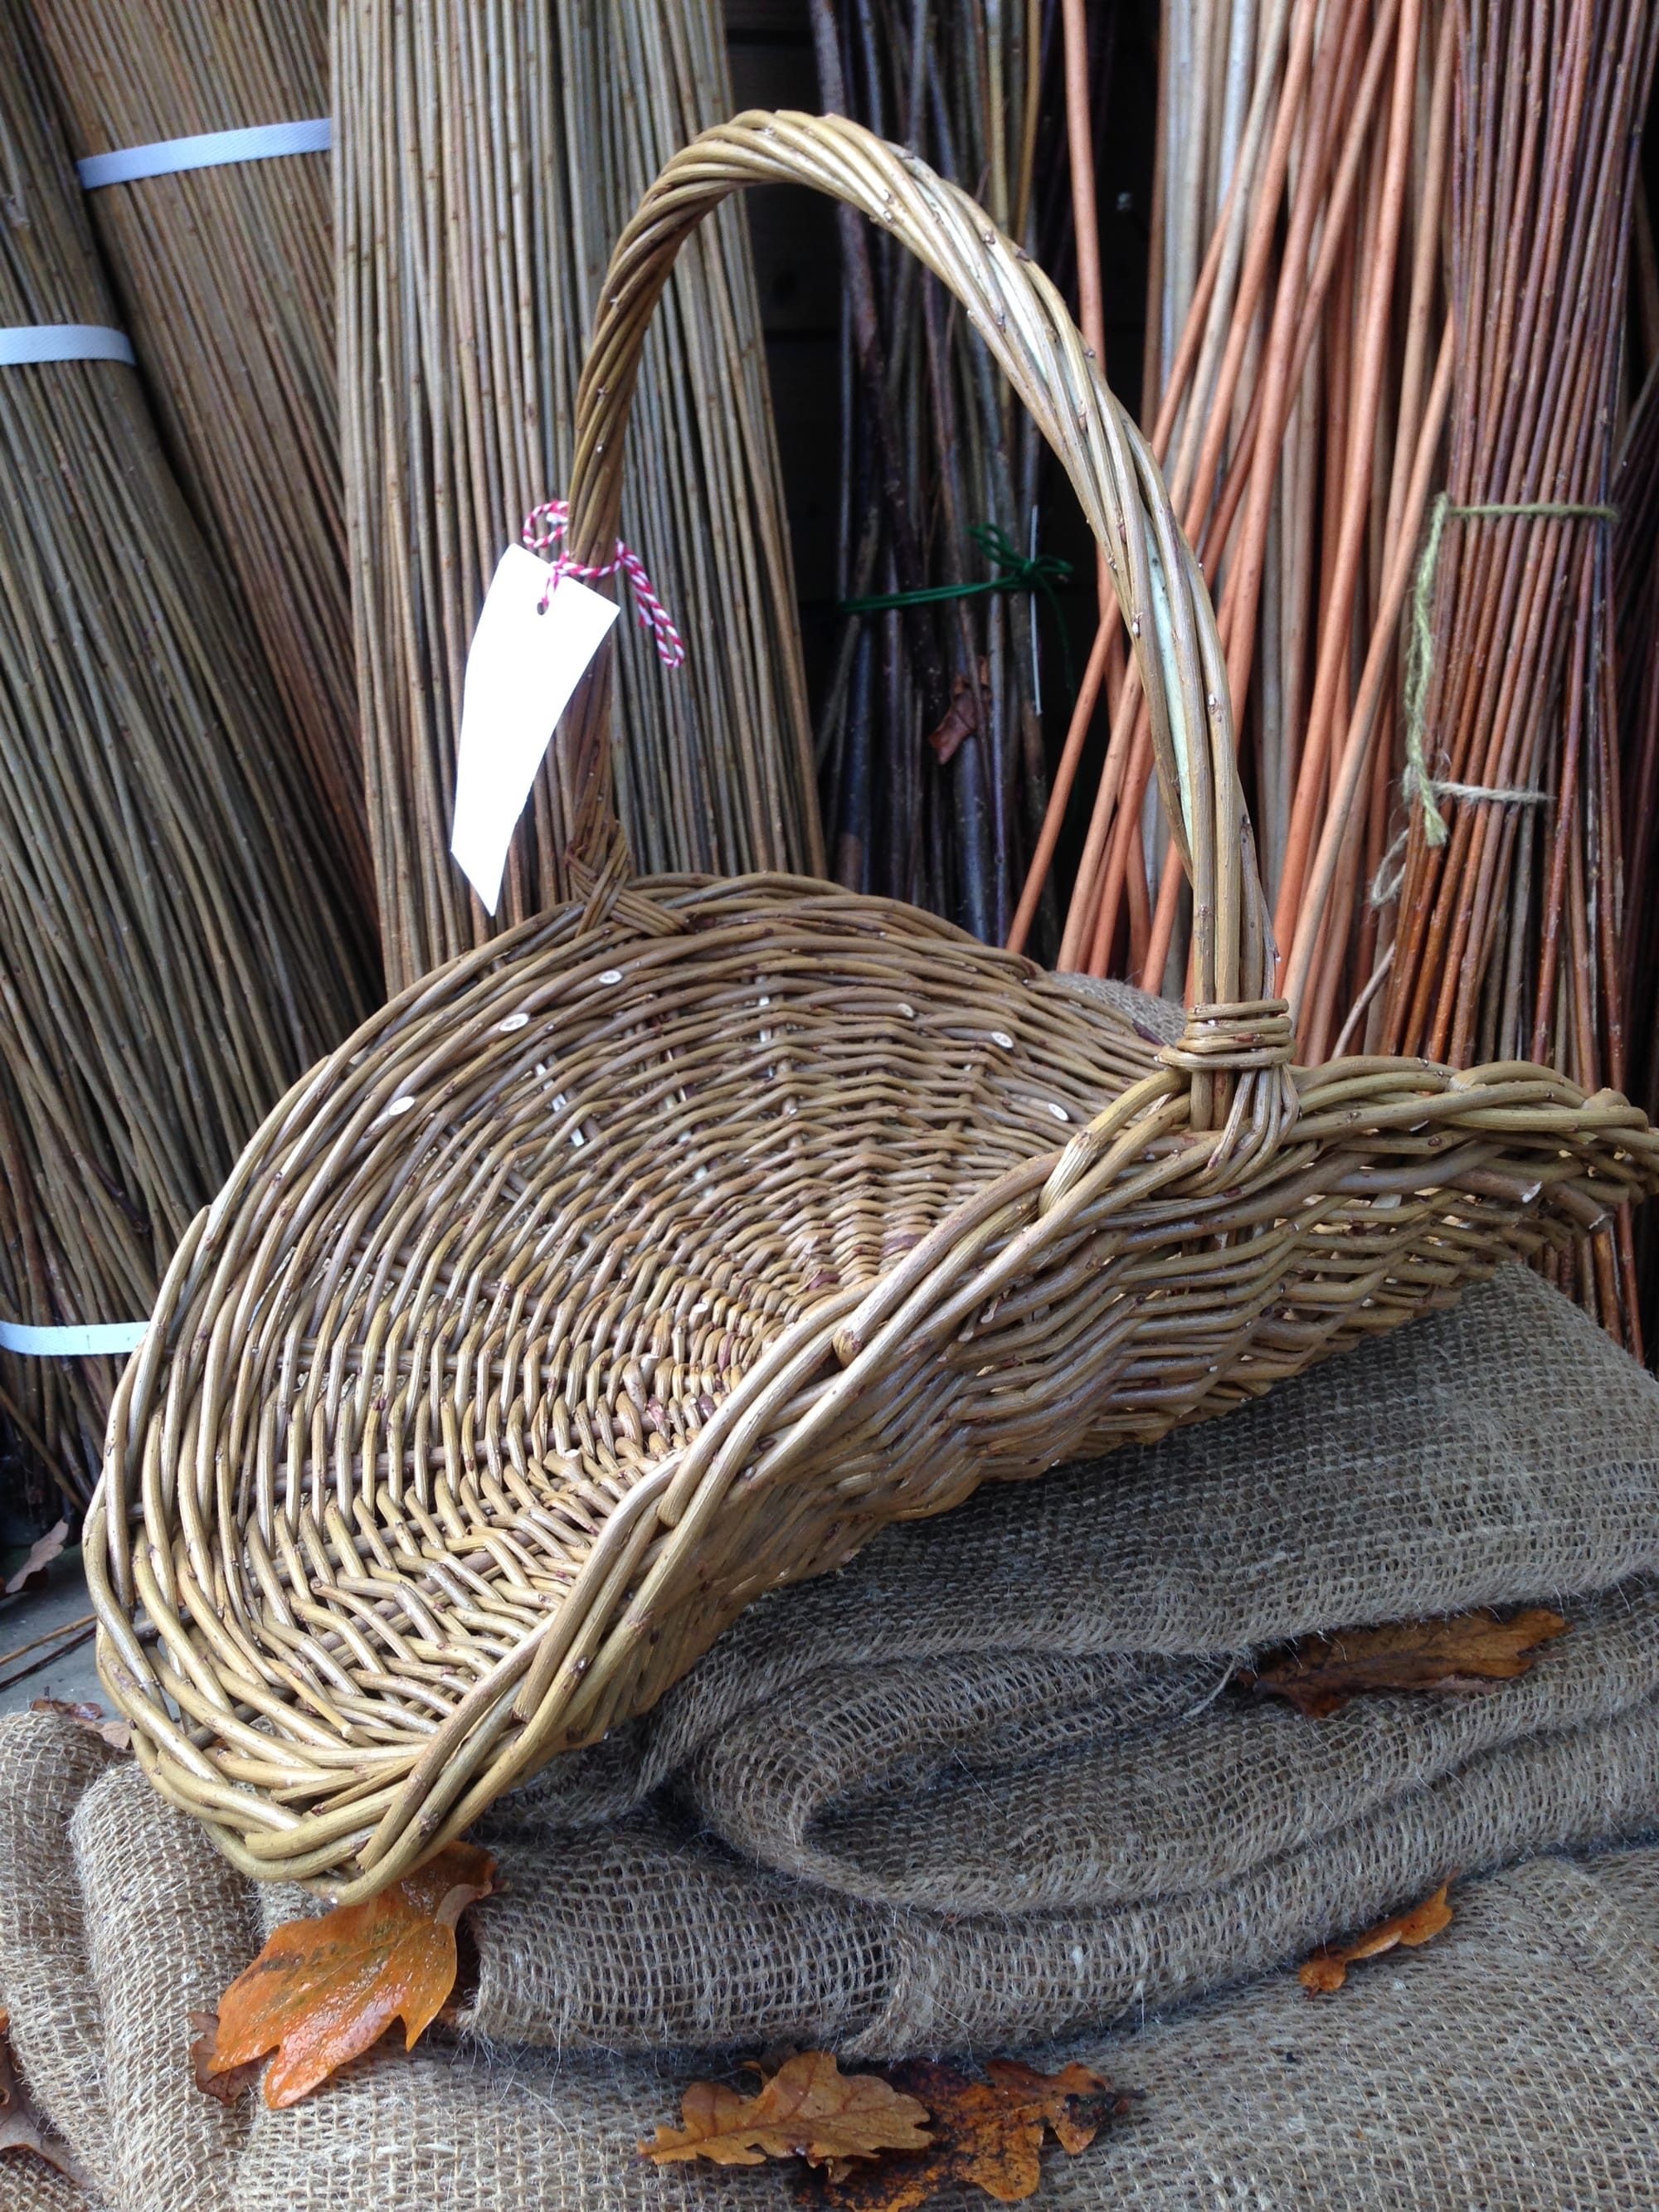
1023,318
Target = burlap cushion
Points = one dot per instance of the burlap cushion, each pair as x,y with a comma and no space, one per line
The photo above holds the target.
57,2025
1503,1453
28,2185
995,1758
1511,2066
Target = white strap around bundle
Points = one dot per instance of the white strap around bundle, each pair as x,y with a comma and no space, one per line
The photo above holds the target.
208,150
25,343
85,1341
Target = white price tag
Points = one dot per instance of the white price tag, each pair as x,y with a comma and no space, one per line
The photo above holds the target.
521,672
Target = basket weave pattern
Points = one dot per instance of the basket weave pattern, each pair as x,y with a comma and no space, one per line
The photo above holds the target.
664,1249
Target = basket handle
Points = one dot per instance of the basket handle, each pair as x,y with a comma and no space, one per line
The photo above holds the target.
1235,1023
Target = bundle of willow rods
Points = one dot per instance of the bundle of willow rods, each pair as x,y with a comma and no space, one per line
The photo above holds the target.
487,154
173,948
1295,342
930,740
1333,403
227,278
1636,601
1508,937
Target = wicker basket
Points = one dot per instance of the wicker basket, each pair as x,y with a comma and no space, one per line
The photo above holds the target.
662,1251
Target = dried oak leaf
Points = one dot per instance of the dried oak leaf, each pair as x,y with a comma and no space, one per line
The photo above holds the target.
324,1990
1470,1652
117,1733
961,720
1329,1969
809,2109
31,1575
989,2133
20,2125
228,2085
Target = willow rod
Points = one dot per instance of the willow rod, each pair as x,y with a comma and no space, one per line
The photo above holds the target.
226,278
933,773
487,155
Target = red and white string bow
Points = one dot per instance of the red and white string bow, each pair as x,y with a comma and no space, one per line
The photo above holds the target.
544,526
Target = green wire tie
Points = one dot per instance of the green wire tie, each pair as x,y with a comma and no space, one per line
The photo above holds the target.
1016,572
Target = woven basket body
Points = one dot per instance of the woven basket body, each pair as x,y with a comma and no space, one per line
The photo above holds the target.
664,1249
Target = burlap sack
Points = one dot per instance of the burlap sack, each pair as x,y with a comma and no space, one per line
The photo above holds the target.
1503,1453
1003,1796
1510,2067
1123,1814
986,1786
57,2027
158,1952
1512,2063
645,1935
117,1919
28,2185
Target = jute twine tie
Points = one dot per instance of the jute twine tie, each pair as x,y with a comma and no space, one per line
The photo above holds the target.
1415,781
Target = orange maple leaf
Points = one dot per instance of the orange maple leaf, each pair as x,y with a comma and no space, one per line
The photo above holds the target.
324,1990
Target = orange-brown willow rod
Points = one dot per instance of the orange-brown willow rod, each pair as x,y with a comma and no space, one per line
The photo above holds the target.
1508,934
1305,361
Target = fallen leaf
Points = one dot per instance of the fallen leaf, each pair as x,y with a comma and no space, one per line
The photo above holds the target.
1472,1651
961,720
809,2109
20,2126
228,2085
117,1733
1329,1969
989,2133
324,1990
32,1574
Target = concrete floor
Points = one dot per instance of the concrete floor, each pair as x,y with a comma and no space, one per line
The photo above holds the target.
73,1678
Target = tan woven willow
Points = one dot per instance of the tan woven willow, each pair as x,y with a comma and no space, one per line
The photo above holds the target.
661,1251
